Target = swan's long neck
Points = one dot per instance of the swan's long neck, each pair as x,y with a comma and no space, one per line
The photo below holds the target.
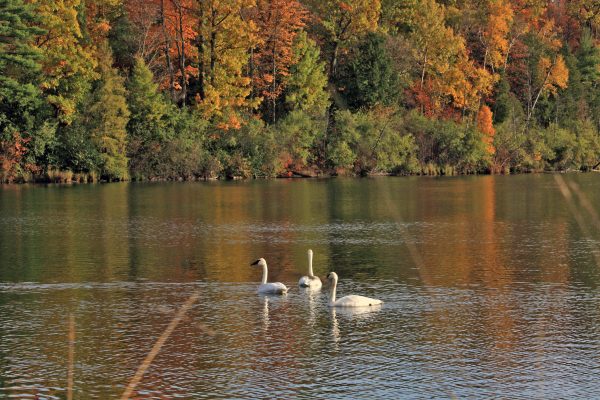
265,272
332,291
310,270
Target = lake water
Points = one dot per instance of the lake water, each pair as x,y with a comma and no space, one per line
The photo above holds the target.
490,284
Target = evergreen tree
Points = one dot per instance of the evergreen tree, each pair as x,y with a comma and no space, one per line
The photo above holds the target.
571,105
108,117
145,102
588,60
19,59
588,63
20,101
370,78
147,127
502,100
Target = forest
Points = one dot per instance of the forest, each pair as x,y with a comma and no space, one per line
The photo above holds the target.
111,90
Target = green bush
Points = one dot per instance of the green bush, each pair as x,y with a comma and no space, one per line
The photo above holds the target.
371,142
450,146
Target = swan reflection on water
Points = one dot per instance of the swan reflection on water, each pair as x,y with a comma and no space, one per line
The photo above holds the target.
265,313
271,302
313,295
349,313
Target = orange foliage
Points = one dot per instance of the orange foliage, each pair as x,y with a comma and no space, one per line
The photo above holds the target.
232,122
97,14
485,125
556,73
144,15
496,32
12,153
179,23
278,22
422,97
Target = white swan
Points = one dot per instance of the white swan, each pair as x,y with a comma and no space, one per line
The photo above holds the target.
310,280
268,288
348,301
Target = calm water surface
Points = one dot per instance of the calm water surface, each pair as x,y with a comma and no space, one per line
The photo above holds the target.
490,285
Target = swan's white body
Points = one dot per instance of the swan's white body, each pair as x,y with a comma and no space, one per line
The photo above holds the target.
310,280
348,301
272,287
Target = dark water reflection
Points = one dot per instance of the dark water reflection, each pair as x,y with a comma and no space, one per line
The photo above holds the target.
490,289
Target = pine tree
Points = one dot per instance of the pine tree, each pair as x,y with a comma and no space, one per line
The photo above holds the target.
109,116
19,63
588,64
19,59
371,79
588,58
145,102
307,81
147,125
20,101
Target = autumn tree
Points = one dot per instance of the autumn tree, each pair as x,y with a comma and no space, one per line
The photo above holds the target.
278,22
68,64
448,81
495,34
180,23
433,42
344,21
143,18
547,72
225,36
398,16
466,84
485,125
306,84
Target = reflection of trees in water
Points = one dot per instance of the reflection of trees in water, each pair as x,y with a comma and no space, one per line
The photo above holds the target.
351,202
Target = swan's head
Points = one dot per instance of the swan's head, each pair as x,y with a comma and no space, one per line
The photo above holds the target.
332,276
261,262
310,252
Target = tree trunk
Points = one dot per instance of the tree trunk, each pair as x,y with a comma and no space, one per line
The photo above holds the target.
167,49
423,70
333,62
537,97
182,56
200,45
273,98
251,74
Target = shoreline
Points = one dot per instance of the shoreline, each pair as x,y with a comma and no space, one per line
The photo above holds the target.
303,176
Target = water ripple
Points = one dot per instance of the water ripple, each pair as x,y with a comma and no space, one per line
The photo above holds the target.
431,342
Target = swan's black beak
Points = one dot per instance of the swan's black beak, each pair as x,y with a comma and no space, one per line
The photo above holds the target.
329,275
255,262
